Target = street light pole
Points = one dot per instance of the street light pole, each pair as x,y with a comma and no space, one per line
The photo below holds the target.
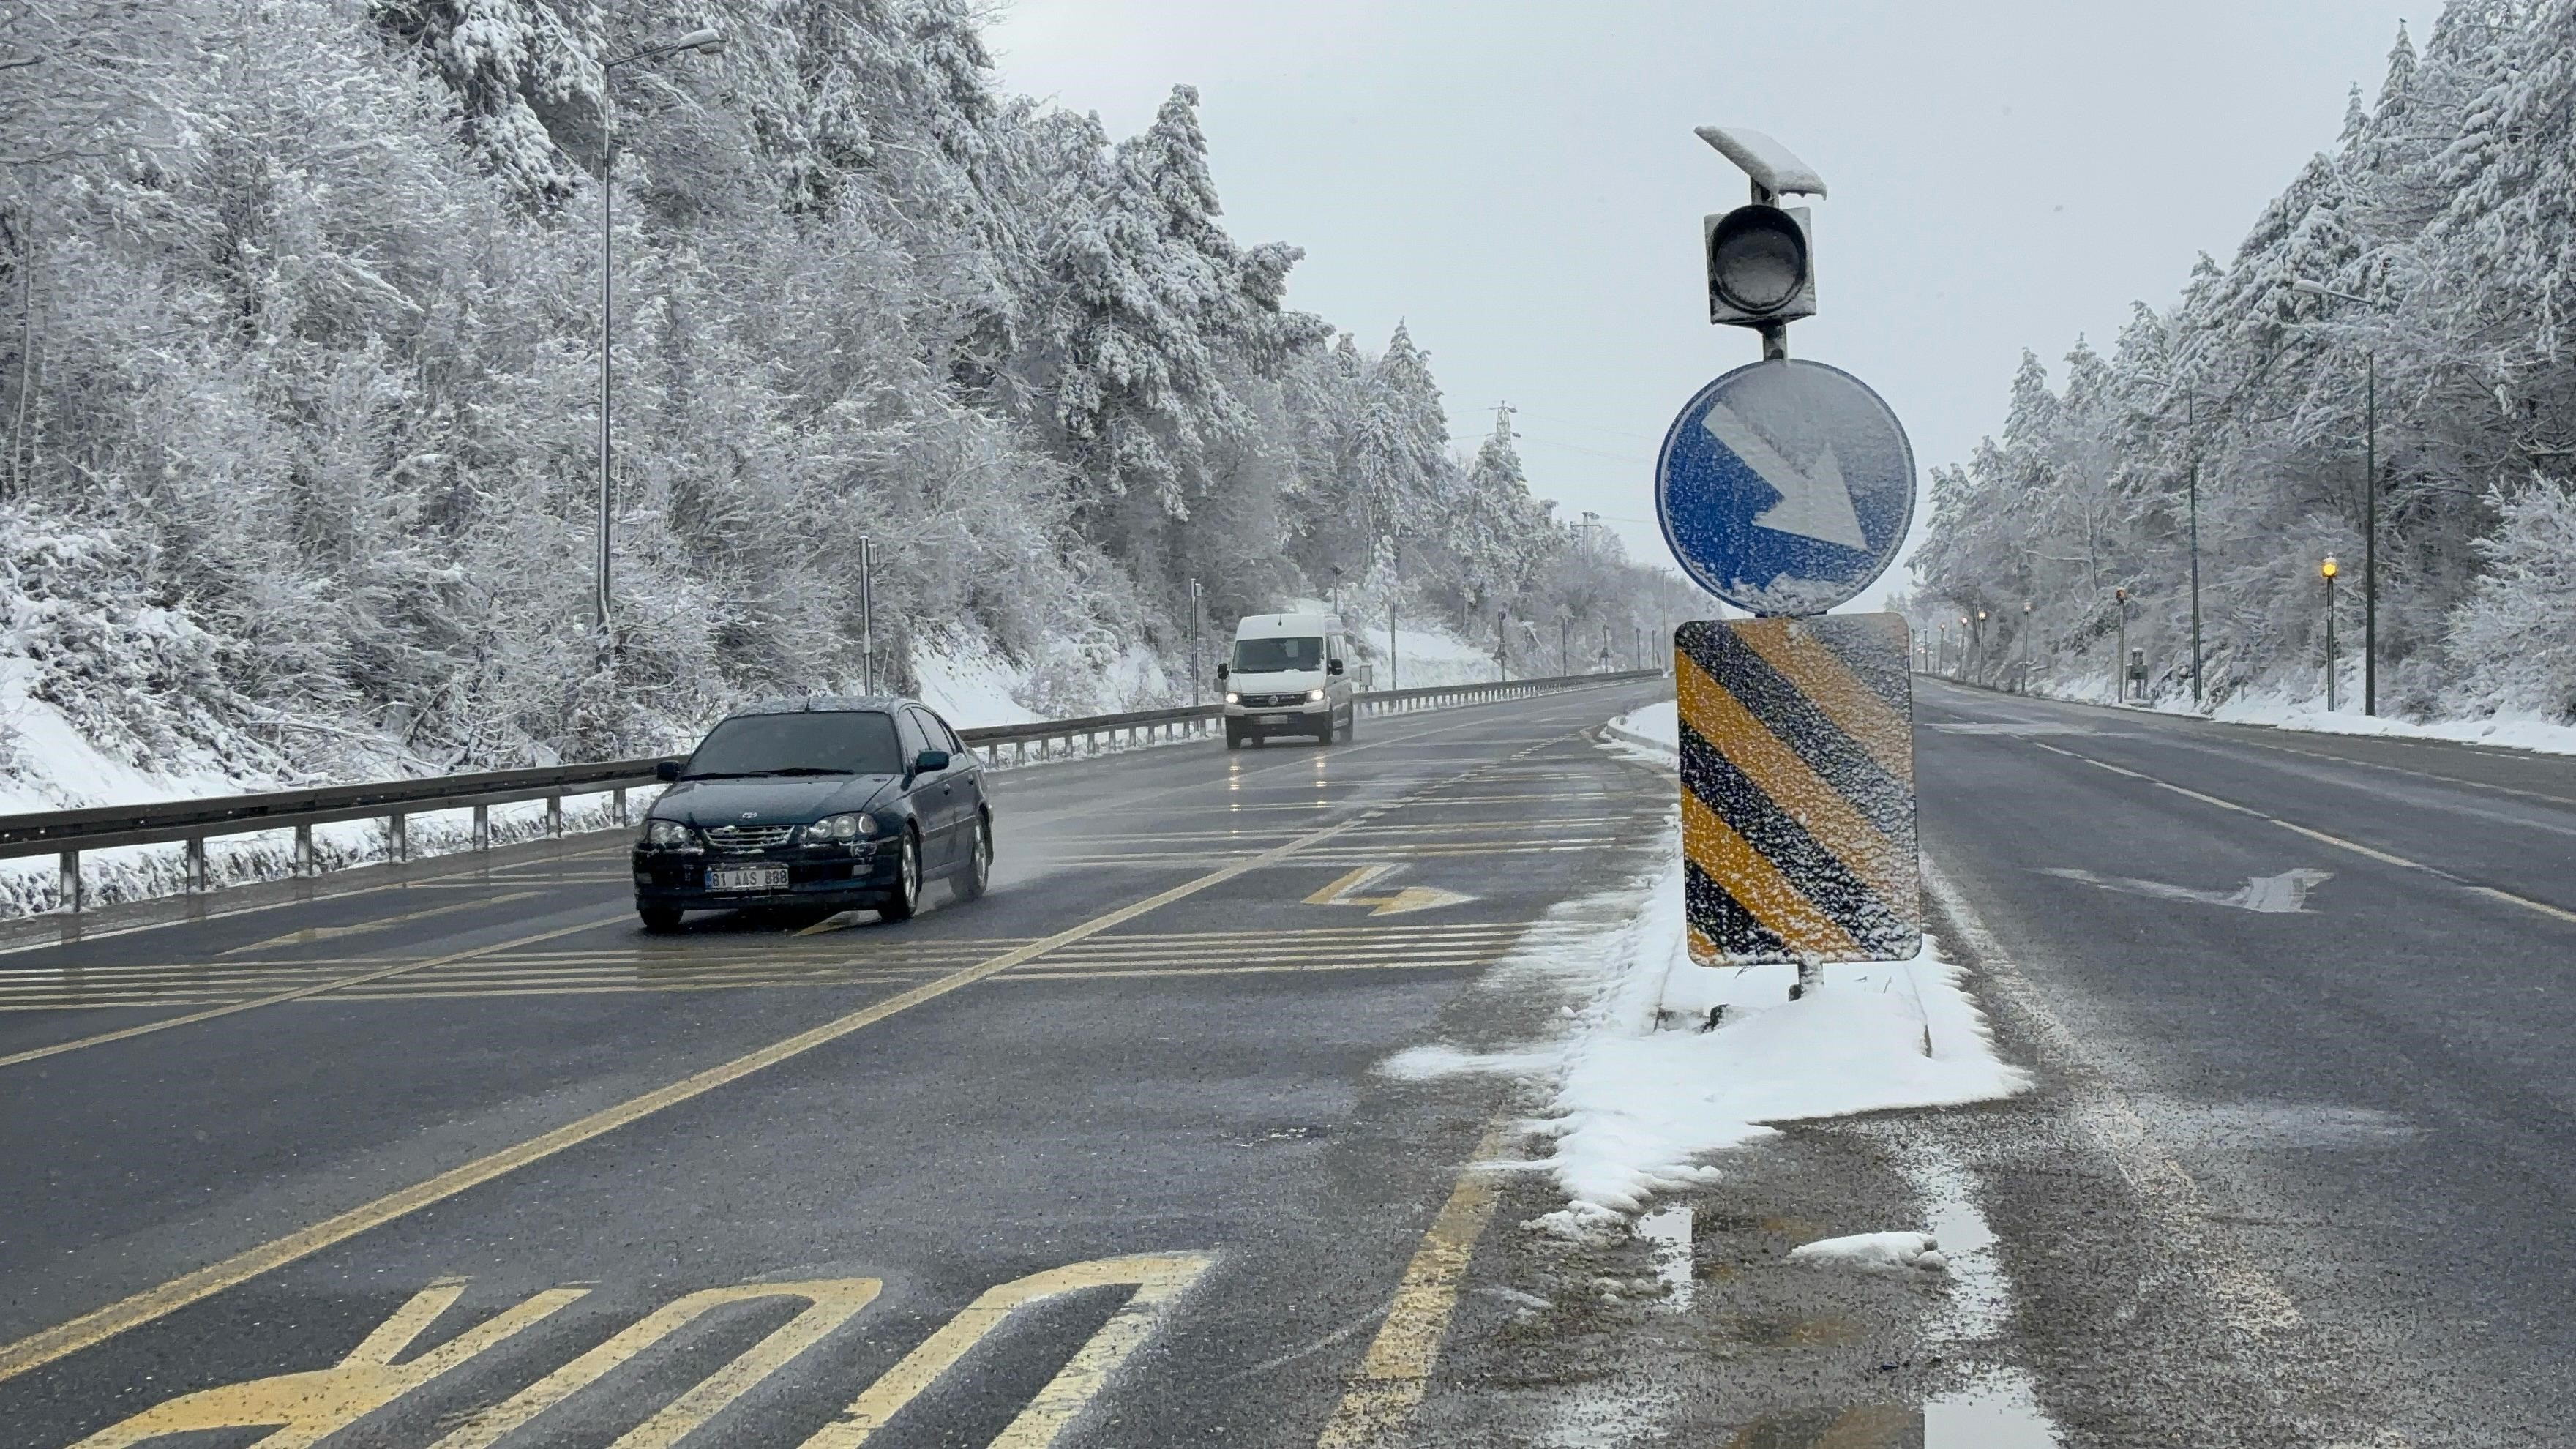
867,615
1395,591
1197,611
705,42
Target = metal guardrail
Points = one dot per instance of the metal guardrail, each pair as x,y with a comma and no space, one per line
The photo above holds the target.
193,822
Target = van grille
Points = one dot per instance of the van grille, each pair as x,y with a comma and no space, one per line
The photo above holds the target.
749,837
1272,701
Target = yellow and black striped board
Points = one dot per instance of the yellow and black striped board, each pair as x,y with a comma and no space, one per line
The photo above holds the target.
1797,755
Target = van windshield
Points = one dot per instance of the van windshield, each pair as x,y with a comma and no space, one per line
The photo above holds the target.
1270,656
853,742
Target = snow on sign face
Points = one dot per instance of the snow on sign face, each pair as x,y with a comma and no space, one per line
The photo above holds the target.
1785,487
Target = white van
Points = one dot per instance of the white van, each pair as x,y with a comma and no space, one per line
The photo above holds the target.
1289,676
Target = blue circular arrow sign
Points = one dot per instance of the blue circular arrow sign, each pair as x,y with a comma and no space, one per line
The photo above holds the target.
1785,487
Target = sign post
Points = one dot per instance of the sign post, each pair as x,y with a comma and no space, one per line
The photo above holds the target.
1785,488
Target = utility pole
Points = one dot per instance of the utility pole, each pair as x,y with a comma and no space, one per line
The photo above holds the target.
1565,645
2370,533
2328,570
1395,591
2025,647
1503,645
2191,427
1198,612
2120,665
867,616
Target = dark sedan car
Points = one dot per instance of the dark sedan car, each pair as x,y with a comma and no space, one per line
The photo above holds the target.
817,804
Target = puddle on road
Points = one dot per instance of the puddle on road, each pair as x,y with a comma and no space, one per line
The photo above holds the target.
1999,1411
1667,1232
1996,1412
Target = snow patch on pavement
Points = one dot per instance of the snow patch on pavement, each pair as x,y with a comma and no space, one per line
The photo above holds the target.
1883,1252
1641,1087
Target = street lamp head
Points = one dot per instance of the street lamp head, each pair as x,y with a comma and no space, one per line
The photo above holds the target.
1981,616
2328,567
2120,596
2025,606
705,41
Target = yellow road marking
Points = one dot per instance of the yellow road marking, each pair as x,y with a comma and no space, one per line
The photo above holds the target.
311,934
1820,675
100,1324
1158,1279
82,932
298,994
1758,886
1396,1370
306,1408
830,1302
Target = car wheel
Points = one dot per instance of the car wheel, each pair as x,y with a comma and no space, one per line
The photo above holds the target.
970,882
907,883
659,920
1233,735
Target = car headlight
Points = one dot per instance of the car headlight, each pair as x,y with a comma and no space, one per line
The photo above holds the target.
858,825
669,835
1233,698
1314,694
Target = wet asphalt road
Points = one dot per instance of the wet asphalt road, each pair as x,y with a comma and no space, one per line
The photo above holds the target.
2291,1177
1157,1146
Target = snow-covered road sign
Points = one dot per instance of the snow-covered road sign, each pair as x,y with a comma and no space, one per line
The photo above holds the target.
1797,756
1785,487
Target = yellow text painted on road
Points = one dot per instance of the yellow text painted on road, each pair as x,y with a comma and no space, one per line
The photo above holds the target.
1409,899
100,1324
306,1407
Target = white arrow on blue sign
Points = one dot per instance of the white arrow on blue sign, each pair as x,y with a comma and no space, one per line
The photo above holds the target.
1785,487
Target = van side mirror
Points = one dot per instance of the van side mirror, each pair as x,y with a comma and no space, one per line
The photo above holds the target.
1222,671
1333,666
666,770
928,761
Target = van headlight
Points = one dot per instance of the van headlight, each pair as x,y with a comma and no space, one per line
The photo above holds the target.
670,835
1233,698
1313,695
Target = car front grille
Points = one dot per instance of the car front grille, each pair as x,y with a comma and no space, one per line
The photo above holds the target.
749,837
1271,701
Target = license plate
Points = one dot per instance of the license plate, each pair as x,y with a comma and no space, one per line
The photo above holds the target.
1279,719
746,877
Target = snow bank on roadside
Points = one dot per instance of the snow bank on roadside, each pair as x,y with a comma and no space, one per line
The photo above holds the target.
1657,728
2280,709
2515,732
1640,1087
969,683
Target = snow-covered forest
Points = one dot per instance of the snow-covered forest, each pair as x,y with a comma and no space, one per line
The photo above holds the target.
2447,213
299,315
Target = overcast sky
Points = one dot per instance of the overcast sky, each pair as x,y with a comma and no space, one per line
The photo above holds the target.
1517,180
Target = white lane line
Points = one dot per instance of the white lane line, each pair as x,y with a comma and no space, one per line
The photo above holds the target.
2337,841
2249,1303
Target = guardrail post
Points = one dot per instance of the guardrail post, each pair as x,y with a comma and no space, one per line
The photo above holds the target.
482,827
620,793
554,815
304,850
397,838
71,882
196,863
1024,750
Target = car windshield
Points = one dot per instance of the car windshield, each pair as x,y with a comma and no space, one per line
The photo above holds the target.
1270,656
856,742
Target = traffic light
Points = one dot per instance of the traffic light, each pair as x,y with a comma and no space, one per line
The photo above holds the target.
1762,257
1761,265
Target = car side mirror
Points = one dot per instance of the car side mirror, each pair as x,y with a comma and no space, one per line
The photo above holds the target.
1222,671
928,761
666,770
1332,666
